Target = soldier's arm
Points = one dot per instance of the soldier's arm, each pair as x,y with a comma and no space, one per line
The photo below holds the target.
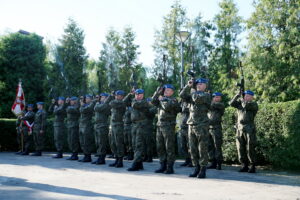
250,106
185,94
140,105
51,108
117,104
128,99
28,116
155,100
169,105
235,102
89,108
73,109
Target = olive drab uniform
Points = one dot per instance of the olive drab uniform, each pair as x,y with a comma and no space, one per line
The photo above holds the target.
168,108
198,127
102,112
150,135
59,127
215,130
139,111
118,108
28,121
39,125
73,115
86,136
128,139
246,131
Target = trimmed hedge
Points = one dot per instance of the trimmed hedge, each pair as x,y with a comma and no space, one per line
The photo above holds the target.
278,135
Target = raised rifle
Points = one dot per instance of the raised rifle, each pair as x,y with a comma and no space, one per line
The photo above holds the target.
241,84
162,78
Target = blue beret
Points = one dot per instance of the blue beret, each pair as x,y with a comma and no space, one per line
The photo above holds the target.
120,92
139,91
30,105
201,80
40,103
61,98
103,94
219,94
169,86
88,96
249,92
149,99
73,98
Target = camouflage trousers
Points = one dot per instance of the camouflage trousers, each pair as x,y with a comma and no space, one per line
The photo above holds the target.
39,139
86,139
117,139
27,139
59,137
215,143
165,141
246,143
183,142
138,135
73,139
149,140
101,139
198,141
128,138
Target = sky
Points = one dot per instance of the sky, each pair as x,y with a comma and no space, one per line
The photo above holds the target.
48,18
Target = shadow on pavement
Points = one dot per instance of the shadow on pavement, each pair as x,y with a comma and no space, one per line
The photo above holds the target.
19,182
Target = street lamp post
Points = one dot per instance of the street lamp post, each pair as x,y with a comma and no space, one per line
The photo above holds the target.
182,37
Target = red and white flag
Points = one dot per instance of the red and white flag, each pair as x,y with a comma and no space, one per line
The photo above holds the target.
19,104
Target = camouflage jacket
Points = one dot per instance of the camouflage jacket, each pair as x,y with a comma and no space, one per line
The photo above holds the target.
199,106
73,115
246,111
127,116
118,108
102,112
86,114
40,120
140,108
59,114
215,114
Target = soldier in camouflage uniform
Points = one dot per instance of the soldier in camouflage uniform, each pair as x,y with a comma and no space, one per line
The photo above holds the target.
39,129
127,133
102,112
168,107
215,114
198,124
59,111
118,108
246,131
183,140
139,111
86,137
25,124
73,115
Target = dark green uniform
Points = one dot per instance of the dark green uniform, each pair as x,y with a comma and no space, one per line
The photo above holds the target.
39,125
150,134
73,115
168,108
59,127
102,112
215,129
118,109
25,125
86,136
128,139
198,125
246,132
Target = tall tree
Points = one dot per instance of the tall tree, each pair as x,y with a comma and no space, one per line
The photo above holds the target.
72,58
226,54
273,57
22,56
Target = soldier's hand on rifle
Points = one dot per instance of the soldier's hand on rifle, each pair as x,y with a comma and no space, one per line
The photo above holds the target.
160,97
67,100
190,83
132,91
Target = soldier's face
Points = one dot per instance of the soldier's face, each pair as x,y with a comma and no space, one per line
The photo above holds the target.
103,98
168,92
72,102
88,100
119,97
248,97
217,99
29,108
60,102
201,87
39,106
139,96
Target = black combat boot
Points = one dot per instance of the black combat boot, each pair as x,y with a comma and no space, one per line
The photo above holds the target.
19,152
140,165
252,169
213,164
219,165
100,160
86,158
162,168
130,156
170,169
119,162
25,153
149,159
114,164
244,168
111,156
74,156
196,171
186,162
58,155
202,173
134,167
37,153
